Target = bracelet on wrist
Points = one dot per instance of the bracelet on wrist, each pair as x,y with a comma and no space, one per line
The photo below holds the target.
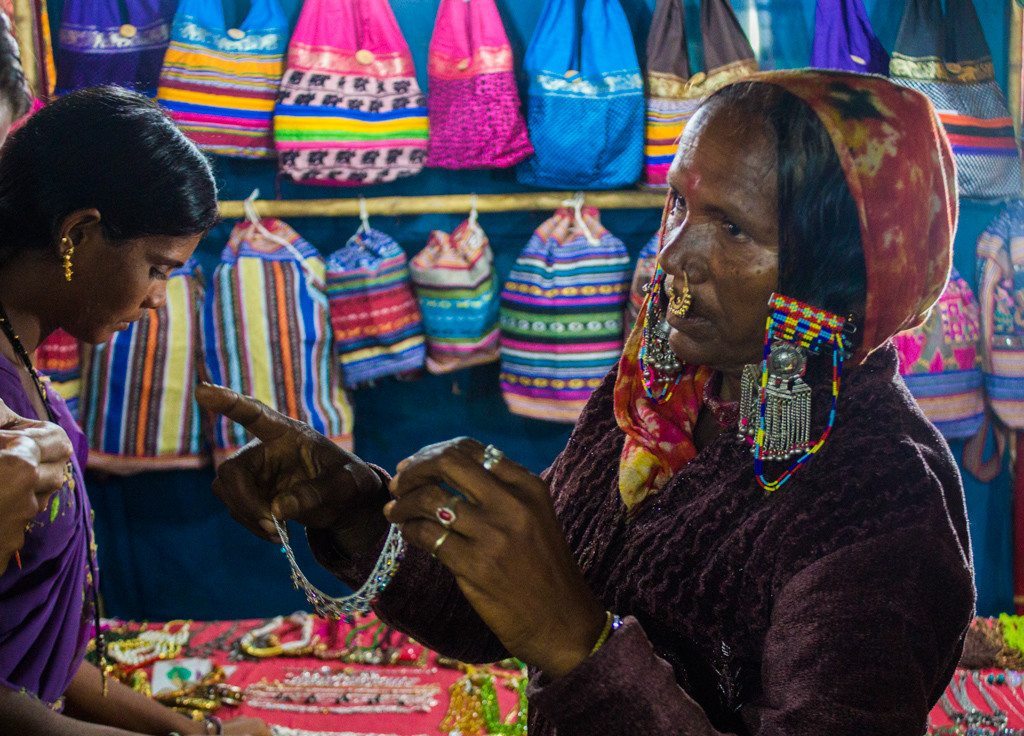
611,623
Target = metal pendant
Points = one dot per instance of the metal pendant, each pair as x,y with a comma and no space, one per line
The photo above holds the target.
787,404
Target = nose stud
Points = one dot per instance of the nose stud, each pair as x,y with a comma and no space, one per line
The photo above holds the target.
679,301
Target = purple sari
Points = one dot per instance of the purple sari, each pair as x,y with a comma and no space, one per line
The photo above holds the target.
46,607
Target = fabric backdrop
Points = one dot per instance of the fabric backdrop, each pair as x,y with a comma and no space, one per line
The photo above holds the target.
169,550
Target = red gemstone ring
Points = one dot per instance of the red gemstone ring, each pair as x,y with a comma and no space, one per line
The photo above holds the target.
446,516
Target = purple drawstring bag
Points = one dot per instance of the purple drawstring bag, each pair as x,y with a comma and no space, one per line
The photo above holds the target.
844,39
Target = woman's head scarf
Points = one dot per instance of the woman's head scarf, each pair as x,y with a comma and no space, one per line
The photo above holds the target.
899,168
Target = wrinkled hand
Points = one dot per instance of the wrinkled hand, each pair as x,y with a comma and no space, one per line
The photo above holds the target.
289,470
246,727
33,456
506,549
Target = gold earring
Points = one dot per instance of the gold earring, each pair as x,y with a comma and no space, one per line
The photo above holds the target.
68,270
679,303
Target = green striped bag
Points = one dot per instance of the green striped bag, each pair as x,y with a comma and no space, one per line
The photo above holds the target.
138,405
267,333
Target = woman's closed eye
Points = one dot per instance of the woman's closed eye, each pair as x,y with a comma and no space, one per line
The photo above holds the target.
158,274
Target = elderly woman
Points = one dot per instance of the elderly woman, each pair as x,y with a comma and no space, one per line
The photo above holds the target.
753,528
99,188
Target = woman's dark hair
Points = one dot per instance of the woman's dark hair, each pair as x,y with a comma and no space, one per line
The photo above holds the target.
13,87
821,257
109,149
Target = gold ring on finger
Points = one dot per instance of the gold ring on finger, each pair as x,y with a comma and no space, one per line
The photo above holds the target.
439,542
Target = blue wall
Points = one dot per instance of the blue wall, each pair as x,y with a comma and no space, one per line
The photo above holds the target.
168,549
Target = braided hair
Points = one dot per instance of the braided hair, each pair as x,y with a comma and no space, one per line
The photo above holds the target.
13,87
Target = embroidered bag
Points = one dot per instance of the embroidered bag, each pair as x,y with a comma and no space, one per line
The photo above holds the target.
113,42
138,389
267,332
948,59
673,95
586,106
475,116
561,316
645,266
350,111
58,359
220,84
844,39
458,295
378,330
1001,293
940,363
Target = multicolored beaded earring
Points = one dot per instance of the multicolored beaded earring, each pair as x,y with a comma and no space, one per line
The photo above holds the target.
775,402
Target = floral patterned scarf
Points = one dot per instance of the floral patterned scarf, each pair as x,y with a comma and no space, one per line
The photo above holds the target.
899,168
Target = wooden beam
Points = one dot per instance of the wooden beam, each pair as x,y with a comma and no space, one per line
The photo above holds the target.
442,204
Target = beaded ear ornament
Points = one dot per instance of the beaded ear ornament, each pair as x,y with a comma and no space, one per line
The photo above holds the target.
775,402
659,366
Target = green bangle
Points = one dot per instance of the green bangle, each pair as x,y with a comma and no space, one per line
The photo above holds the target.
605,633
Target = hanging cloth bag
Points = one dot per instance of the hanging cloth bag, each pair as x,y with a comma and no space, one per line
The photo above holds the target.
586,108
113,42
844,39
475,116
646,264
458,295
674,95
948,59
58,358
350,111
941,363
378,330
219,84
138,405
1001,293
561,316
267,333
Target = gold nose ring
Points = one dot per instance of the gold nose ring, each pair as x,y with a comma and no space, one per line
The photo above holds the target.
679,302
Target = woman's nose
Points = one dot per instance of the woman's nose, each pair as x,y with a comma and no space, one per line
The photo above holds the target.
156,298
686,251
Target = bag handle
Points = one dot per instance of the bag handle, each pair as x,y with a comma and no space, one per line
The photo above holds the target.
986,470
253,216
577,202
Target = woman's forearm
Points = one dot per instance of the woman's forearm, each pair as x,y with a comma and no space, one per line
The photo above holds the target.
24,715
122,707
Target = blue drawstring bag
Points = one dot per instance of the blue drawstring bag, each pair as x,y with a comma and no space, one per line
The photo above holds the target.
586,98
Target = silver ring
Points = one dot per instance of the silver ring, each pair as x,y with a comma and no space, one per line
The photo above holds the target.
446,515
439,542
492,456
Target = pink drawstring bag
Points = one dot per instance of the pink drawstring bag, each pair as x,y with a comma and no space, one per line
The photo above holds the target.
475,117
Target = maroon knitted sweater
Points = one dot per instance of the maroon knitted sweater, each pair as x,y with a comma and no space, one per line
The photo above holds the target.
836,605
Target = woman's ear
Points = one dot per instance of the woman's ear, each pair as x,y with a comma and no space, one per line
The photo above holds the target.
80,229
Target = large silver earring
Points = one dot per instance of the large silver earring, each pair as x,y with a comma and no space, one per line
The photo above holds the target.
787,410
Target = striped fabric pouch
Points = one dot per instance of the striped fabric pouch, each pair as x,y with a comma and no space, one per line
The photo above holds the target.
561,316
220,84
673,95
646,264
350,111
378,330
138,389
941,365
267,333
948,59
58,359
458,295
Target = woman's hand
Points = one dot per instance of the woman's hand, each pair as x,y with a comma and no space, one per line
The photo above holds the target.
33,456
292,472
506,549
246,727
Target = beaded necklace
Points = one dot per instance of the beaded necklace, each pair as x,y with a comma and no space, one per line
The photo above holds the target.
69,484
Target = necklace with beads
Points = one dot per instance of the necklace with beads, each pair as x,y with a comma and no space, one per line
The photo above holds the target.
69,484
